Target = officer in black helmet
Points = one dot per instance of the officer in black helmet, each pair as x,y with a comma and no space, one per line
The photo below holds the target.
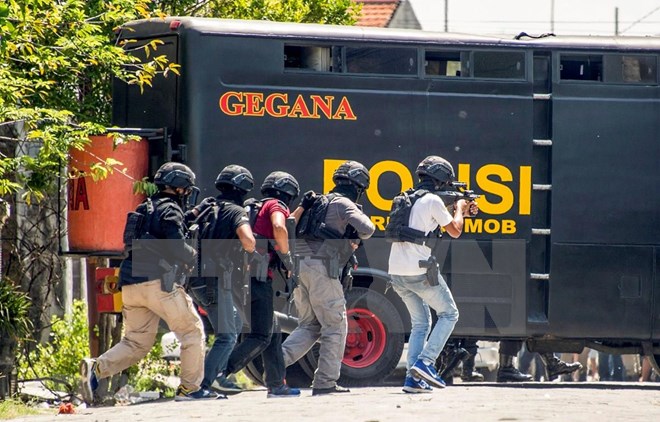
147,297
222,244
422,287
268,219
319,297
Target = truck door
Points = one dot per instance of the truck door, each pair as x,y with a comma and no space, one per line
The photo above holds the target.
605,228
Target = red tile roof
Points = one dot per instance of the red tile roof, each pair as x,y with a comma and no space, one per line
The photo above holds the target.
377,12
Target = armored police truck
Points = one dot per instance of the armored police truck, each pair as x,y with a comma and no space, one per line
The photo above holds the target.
559,135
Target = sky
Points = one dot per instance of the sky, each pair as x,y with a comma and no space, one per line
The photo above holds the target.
571,17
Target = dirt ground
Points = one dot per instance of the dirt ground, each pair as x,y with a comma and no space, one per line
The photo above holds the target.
464,402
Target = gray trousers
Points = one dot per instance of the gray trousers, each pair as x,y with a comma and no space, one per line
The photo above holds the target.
321,317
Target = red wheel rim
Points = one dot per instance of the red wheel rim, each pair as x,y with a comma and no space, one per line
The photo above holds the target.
366,338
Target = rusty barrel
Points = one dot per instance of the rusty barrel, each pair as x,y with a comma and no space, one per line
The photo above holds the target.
97,209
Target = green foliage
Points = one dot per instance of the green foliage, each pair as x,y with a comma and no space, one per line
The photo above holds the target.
311,11
149,374
340,12
60,357
14,306
10,409
144,187
57,63
58,60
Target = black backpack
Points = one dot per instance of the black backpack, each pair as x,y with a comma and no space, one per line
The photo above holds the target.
206,221
253,207
397,229
312,222
139,222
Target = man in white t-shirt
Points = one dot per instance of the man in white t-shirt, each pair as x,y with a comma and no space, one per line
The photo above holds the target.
419,291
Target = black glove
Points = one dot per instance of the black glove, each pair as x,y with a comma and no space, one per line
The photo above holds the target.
287,260
307,200
254,256
202,206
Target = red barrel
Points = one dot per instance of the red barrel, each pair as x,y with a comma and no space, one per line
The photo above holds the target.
97,210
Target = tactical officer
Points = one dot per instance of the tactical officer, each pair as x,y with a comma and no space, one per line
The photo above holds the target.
149,292
319,297
507,372
223,220
420,289
468,373
269,226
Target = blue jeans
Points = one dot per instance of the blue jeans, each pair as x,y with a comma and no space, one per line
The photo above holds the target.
418,296
225,321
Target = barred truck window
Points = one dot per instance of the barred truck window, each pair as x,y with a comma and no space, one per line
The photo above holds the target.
632,69
499,64
383,61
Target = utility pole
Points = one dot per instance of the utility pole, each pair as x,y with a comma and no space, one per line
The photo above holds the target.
447,15
616,21
552,16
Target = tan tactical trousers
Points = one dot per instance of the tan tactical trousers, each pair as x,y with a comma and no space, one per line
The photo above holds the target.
321,316
144,305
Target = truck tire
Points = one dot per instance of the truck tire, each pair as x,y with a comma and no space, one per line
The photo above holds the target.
374,344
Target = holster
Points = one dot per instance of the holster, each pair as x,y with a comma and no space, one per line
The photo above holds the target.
260,268
169,277
433,275
332,266
432,270
226,270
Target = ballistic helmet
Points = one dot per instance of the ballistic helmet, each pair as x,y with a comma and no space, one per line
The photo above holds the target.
176,175
436,168
281,182
237,176
351,172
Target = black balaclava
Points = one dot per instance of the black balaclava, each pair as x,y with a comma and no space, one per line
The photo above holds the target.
284,197
429,184
350,191
232,194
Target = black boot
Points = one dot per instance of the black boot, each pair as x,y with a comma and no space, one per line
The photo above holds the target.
555,367
469,374
454,357
509,373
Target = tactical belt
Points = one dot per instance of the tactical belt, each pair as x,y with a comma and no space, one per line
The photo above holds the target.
331,264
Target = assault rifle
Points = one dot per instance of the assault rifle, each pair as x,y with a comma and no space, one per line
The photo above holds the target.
458,191
346,275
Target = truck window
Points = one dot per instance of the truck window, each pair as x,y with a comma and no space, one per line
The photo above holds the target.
631,69
308,58
581,67
499,64
442,63
383,61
